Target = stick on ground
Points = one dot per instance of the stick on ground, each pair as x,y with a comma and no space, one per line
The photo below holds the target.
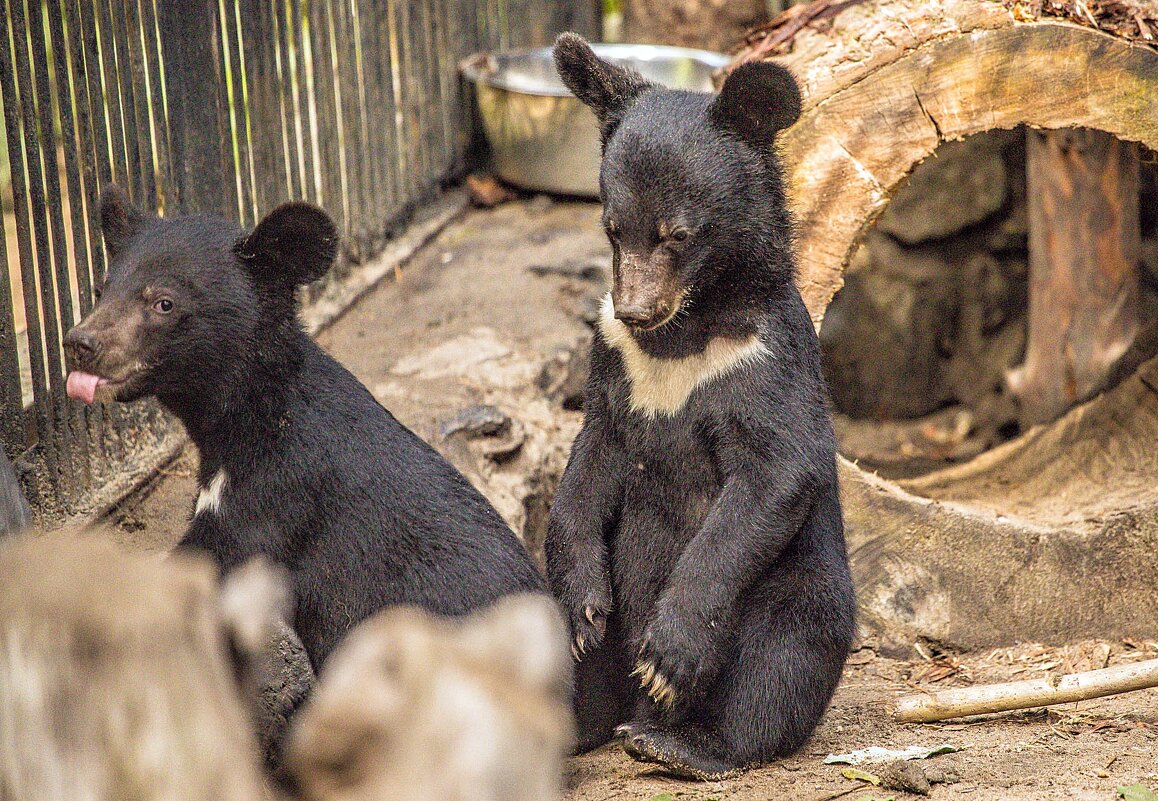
962,702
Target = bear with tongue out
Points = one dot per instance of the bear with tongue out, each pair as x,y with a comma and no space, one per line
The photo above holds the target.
298,461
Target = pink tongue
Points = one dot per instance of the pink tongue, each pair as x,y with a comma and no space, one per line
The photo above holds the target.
83,386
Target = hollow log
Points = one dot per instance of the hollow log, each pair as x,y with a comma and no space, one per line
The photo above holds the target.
886,82
1051,536
1084,246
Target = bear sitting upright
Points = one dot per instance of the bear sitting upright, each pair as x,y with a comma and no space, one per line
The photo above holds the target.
696,542
299,462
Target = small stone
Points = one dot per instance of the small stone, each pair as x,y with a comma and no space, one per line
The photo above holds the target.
483,420
564,375
906,776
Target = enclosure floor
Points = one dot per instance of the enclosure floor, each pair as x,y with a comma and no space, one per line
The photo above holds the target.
1016,757
472,285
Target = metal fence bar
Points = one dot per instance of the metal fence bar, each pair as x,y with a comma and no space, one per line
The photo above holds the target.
71,255
97,170
28,190
12,433
216,106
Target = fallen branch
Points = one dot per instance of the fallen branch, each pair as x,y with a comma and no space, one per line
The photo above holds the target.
962,702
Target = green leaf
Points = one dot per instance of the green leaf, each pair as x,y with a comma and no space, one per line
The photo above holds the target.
663,797
860,775
1136,792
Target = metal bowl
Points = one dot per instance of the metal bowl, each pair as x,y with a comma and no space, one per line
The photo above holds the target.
541,136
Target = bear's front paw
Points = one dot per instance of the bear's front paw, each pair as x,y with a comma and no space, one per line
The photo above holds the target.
588,619
674,660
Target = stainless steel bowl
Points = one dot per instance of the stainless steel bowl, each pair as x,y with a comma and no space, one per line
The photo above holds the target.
541,136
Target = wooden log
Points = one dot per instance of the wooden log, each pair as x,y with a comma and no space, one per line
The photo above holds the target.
1084,245
1050,537
965,701
888,81
708,24
993,549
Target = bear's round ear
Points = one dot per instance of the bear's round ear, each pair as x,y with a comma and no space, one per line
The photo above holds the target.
294,245
759,99
607,89
120,219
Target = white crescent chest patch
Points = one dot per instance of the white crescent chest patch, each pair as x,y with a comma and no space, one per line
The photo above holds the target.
663,386
209,499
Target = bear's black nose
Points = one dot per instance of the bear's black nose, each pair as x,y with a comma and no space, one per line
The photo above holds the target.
634,315
82,346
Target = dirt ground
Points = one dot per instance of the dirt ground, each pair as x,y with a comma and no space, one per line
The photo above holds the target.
473,319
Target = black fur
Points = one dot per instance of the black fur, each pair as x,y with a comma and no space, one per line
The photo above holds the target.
707,543
608,90
321,478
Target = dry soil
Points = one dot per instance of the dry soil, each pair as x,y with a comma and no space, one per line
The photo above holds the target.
469,322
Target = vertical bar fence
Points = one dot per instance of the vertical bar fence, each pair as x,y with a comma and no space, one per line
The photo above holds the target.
227,107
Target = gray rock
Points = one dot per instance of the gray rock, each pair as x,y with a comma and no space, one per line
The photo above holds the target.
502,448
960,185
908,777
564,375
483,420
926,264
989,336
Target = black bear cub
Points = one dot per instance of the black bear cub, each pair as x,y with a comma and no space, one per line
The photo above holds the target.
298,461
696,542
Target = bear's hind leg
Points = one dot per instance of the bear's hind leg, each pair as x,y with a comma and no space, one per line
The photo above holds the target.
788,659
687,752
602,694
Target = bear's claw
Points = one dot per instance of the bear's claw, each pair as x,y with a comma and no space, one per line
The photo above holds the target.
589,630
658,688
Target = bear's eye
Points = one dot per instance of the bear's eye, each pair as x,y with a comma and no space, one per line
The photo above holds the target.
163,306
680,235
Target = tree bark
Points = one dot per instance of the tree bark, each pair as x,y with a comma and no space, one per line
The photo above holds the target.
887,81
1084,246
707,24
